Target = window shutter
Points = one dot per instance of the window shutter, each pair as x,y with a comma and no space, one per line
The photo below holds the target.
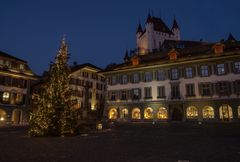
152,76
120,79
193,71
215,69
142,77
231,69
200,89
184,72
229,88
140,94
210,69
199,71
234,84
156,73
169,74
226,66
217,88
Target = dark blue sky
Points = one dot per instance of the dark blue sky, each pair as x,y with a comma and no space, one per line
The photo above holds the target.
100,31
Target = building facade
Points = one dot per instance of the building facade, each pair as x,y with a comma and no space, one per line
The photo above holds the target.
183,83
87,84
15,80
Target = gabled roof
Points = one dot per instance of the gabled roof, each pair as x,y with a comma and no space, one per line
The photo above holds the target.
80,66
3,54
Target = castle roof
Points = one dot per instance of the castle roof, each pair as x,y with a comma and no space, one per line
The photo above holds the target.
158,24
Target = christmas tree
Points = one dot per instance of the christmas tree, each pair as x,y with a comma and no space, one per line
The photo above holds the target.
55,115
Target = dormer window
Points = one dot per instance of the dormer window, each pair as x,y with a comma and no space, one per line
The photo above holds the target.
21,66
218,48
173,54
135,60
7,63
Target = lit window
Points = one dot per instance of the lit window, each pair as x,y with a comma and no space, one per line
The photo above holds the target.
136,113
19,98
7,63
208,112
124,113
6,96
221,69
204,71
237,67
2,115
225,112
174,74
148,113
189,72
160,74
192,112
162,113
112,113
21,67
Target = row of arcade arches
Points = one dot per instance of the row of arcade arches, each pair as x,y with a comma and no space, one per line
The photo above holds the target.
192,112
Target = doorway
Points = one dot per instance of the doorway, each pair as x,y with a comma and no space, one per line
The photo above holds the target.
176,112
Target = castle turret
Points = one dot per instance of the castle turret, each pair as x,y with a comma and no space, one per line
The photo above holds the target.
176,29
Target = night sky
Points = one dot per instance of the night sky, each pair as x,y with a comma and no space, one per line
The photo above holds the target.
100,31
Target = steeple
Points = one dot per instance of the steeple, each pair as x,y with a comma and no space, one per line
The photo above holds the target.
139,29
231,38
175,24
126,58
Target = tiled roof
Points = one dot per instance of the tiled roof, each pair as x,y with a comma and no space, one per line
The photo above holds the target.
198,50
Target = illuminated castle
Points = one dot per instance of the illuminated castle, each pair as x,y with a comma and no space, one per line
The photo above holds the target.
155,33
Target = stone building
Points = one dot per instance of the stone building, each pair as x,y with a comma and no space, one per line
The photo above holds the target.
87,84
184,81
15,80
